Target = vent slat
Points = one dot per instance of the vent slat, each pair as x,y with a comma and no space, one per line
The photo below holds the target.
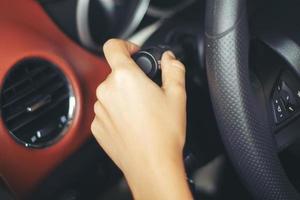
52,89
33,89
34,93
27,121
35,72
15,115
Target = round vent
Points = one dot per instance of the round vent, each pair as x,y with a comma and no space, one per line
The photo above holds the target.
37,102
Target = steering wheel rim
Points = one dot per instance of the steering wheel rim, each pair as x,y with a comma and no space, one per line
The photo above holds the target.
241,119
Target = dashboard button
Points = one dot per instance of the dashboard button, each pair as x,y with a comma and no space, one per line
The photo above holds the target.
287,94
290,108
278,109
296,93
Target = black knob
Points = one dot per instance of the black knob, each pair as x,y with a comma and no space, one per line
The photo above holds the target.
149,61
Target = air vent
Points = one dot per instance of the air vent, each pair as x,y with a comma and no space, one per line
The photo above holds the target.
37,102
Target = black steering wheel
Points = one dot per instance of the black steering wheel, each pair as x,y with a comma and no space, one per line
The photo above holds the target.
241,118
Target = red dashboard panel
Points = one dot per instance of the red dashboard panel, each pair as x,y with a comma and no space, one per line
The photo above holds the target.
26,31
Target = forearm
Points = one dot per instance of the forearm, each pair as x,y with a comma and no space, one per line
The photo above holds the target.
163,181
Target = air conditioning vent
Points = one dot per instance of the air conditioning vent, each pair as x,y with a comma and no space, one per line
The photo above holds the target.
37,102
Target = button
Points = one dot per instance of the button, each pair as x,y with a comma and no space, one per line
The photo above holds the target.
294,89
145,63
287,95
284,101
276,99
290,108
279,114
288,101
293,84
296,93
278,109
279,86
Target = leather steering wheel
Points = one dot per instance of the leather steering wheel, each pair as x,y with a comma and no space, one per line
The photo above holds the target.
241,119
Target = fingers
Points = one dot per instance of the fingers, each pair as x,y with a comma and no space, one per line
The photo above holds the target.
100,111
100,124
118,53
101,134
96,128
173,74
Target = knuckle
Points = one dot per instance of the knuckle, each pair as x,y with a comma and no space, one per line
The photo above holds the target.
178,89
93,126
109,44
96,108
122,75
101,90
178,64
121,61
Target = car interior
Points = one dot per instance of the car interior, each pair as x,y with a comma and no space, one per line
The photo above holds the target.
242,63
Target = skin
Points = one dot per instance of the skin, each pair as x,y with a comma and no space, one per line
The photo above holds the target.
142,126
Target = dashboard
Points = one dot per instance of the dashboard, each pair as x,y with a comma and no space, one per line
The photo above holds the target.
37,52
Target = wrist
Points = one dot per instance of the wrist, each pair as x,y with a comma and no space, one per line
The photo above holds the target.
164,180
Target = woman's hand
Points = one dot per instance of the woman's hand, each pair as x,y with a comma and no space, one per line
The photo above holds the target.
142,126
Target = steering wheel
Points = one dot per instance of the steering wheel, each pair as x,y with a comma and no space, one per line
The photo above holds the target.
241,119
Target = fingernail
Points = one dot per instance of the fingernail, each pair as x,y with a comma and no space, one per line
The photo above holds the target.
171,54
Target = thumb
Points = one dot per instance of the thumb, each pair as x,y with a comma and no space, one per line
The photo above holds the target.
173,74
